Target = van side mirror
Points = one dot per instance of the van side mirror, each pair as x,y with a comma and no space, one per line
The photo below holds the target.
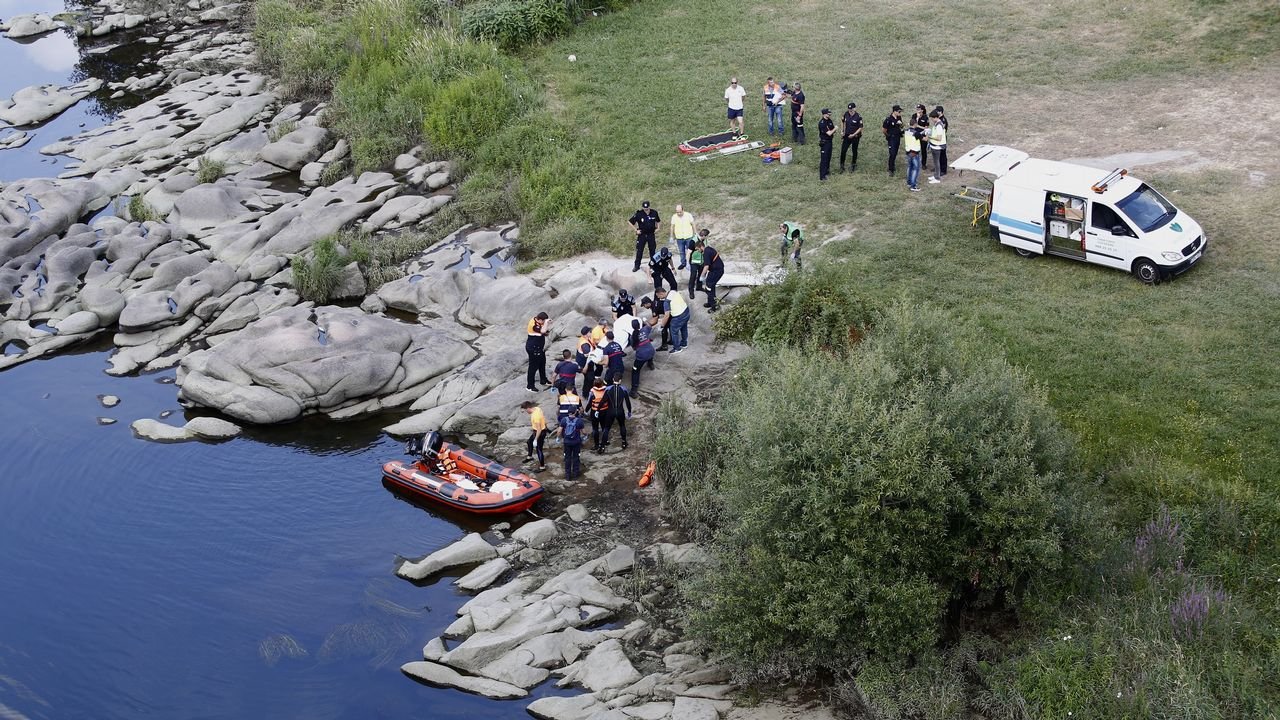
1119,230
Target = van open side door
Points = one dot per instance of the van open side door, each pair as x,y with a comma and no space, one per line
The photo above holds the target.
1064,225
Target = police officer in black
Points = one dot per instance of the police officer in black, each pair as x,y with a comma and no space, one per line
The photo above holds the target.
660,269
892,129
826,129
624,304
645,222
852,134
797,115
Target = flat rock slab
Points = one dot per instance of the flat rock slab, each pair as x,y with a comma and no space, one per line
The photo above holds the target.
485,575
38,103
580,707
537,533
437,674
471,549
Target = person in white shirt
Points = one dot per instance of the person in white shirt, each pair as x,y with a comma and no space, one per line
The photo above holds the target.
733,95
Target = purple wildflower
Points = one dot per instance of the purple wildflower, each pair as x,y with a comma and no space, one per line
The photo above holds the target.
1195,607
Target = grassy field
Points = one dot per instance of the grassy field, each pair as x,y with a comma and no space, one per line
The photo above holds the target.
1173,390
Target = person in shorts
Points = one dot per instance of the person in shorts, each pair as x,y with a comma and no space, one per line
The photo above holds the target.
733,96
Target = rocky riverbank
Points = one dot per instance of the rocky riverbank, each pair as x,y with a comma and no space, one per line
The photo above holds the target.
173,228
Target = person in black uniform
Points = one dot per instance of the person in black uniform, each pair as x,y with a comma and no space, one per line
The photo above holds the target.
852,134
892,129
797,115
645,222
713,264
920,121
660,268
535,343
624,304
618,398
826,129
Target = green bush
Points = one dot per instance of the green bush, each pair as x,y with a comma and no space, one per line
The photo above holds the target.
819,305
304,44
513,24
209,170
141,211
689,455
470,110
874,490
316,278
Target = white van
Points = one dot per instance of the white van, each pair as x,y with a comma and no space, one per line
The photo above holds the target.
1044,207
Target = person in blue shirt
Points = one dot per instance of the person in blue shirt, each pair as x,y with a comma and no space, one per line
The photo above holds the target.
642,340
567,373
569,429
616,357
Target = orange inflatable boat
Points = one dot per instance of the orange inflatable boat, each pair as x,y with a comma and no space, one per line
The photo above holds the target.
463,480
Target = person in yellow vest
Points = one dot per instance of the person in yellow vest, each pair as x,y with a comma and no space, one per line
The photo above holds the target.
538,426
683,230
535,345
912,142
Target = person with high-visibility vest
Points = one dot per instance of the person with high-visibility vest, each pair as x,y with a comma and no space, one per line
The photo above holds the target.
792,241
597,407
677,314
567,402
683,230
538,426
535,345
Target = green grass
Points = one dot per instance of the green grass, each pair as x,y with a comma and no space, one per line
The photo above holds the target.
1170,390
209,170
141,211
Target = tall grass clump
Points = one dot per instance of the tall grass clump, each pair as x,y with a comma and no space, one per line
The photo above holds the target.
869,498
209,170
141,211
316,277
512,24
303,43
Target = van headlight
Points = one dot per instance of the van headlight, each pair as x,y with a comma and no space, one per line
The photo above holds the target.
1171,256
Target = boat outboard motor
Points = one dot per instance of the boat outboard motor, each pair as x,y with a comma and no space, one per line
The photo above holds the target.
413,447
434,443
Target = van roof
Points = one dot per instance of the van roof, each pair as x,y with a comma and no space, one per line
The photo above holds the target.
1017,168
1068,178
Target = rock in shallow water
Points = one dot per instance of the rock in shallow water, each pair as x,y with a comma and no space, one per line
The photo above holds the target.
470,549
436,674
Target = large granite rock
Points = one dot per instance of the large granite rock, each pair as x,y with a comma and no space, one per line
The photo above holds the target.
300,360
38,103
437,674
468,550
298,148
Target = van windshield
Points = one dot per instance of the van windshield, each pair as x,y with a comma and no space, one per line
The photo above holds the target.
1147,208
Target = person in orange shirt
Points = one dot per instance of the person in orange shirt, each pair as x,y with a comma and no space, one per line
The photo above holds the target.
538,424
535,345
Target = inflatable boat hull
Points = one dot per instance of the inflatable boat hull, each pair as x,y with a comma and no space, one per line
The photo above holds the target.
418,479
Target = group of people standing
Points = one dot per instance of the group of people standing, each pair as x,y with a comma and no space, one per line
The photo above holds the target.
600,353
922,137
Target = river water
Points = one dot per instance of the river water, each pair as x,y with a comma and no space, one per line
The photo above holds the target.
251,578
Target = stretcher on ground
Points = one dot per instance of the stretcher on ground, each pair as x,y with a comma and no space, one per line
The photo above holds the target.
712,142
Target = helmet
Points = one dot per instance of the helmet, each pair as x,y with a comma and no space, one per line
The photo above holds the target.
665,253
622,294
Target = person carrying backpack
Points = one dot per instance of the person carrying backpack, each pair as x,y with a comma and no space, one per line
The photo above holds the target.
569,430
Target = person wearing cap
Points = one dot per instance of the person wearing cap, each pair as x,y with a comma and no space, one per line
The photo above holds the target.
773,101
733,96
797,115
937,143
826,129
645,221
660,268
683,230
892,129
623,304
920,121
569,428
851,132
535,344
946,126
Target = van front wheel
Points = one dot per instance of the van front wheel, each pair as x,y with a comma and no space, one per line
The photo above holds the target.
1146,271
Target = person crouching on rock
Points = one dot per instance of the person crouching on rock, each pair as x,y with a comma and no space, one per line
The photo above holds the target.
570,430
535,345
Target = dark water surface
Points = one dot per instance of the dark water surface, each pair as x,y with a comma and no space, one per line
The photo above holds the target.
145,580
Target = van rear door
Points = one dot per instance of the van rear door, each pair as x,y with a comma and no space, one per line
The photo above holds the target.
1017,219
